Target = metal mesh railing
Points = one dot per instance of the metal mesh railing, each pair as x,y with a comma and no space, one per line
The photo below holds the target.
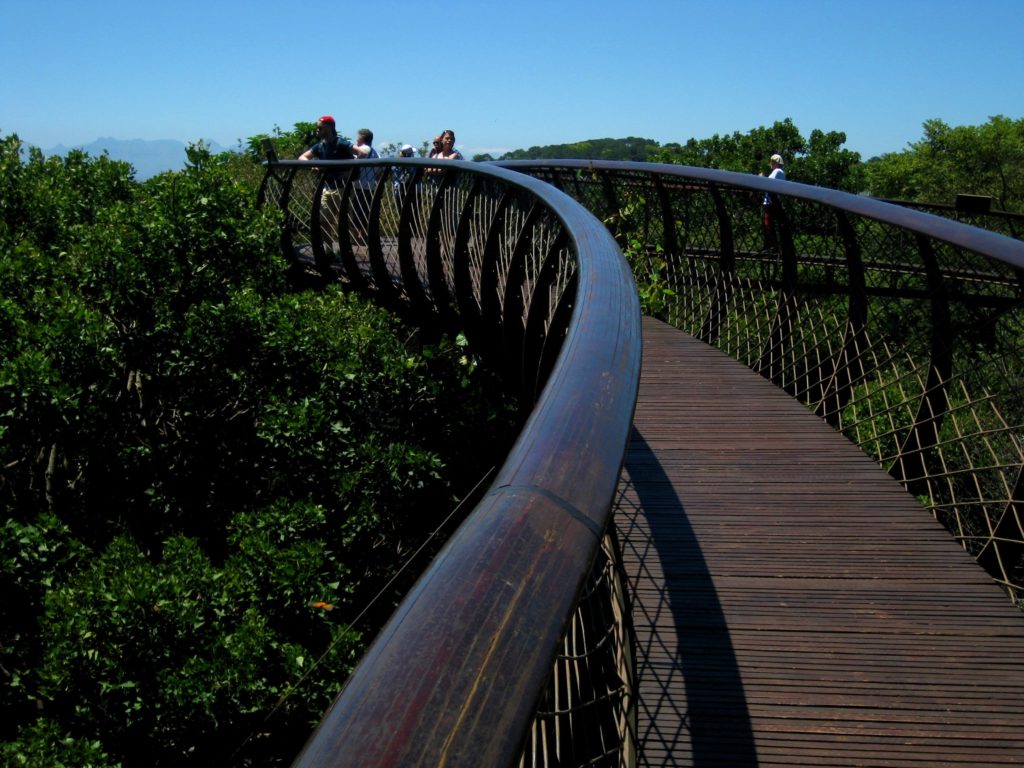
975,210
899,328
587,714
507,611
902,329
455,250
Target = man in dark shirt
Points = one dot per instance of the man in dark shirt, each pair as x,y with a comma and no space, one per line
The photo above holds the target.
330,147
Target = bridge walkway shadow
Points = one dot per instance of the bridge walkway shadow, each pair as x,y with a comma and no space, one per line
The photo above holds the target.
793,605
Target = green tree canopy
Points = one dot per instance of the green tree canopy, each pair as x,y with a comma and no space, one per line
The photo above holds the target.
205,472
630,148
819,160
985,159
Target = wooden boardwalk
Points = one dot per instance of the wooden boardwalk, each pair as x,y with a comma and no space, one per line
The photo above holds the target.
793,605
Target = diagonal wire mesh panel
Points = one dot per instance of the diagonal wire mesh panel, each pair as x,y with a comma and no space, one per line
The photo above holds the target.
587,714
900,329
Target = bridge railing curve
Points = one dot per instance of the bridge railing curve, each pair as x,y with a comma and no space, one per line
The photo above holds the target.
902,329
462,674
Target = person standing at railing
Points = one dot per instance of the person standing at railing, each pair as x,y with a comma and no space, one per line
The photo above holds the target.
363,149
444,147
329,147
770,203
401,176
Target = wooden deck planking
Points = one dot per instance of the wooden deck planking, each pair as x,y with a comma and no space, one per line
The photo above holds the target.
793,605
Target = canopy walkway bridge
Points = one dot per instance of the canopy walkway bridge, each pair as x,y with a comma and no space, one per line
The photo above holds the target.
775,521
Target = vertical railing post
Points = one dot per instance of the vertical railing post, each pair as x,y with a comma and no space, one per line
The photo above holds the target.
911,464
847,365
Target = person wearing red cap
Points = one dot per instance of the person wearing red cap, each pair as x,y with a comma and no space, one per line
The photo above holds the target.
330,147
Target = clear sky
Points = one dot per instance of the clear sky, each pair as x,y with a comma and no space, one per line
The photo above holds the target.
506,76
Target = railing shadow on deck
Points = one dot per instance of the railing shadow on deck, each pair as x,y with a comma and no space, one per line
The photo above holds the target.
709,671
462,674
903,330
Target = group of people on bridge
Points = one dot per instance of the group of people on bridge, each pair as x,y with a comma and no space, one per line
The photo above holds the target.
332,147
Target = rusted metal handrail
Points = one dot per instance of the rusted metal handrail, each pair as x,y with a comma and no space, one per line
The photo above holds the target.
540,288
902,329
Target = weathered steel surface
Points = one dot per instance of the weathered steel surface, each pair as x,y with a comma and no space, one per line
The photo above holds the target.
794,606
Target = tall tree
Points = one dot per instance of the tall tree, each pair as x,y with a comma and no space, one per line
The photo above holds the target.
985,159
819,160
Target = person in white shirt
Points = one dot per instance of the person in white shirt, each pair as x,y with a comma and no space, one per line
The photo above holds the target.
363,189
363,148
770,203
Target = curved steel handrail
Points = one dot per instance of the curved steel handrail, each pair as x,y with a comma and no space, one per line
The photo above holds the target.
937,227
455,676
900,328
973,210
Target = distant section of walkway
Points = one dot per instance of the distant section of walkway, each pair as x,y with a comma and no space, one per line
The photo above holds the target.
794,606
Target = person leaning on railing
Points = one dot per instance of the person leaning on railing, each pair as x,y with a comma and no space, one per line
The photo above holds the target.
400,176
330,147
444,149
768,203
363,149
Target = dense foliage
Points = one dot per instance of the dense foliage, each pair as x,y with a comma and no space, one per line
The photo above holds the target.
244,165
818,159
974,159
204,474
631,148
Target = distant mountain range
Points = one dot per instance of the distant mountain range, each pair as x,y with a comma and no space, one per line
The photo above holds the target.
147,157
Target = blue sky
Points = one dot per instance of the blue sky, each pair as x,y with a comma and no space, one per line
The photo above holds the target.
506,76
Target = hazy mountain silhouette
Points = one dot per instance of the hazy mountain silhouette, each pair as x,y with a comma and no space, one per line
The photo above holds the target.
148,157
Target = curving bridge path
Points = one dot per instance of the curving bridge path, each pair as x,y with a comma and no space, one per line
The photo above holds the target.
812,550
791,604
